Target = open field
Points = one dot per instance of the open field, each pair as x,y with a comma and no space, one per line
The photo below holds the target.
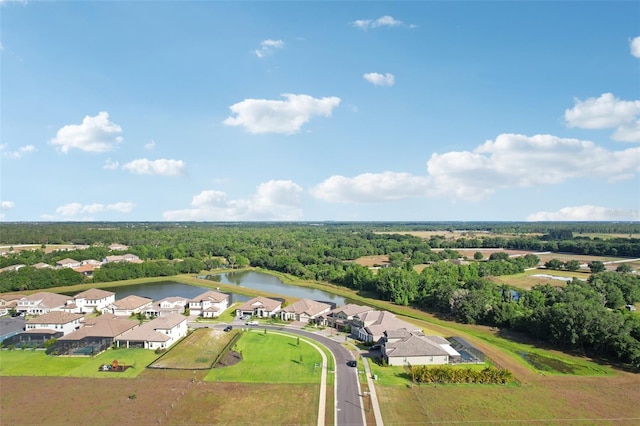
534,277
37,363
197,351
457,234
283,362
154,399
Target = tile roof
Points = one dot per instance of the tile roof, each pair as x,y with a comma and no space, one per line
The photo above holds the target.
55,317
268,304
415,345
105,325
307,306
351,309
47,300
211,295
131,302
94,294
148,331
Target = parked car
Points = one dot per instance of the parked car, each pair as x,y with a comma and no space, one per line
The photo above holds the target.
228,328
352,363
252,323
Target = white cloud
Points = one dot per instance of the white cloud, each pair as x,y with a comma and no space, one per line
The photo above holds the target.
605,112
371,187
380,79
275,116
18,153
95,134
164,167
513,161
273,200
72,210
584,213
110,164
383,21
150,146
4,206
634,46
267,47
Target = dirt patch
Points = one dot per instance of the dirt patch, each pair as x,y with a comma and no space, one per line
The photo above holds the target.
371,261
229,359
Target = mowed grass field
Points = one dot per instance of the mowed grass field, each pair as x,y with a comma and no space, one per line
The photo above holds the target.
271,358
37,363
197,351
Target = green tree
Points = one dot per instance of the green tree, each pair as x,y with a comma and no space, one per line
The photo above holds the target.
478,255
572,265
596,266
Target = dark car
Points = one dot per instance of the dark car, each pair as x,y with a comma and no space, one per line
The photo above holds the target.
228,328
352,363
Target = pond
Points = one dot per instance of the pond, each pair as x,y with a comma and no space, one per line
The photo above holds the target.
271,284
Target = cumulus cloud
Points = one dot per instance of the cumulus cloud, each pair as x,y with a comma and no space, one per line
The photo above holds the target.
273,200
267,47
606,112
163,167
383,21
634,46
513,161
150,146
18,153
380,79
279,116
72,210
95,134
371,188
584,213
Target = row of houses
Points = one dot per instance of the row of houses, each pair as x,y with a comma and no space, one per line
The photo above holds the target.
400,342
85,267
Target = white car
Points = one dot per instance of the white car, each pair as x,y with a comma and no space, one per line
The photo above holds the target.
252,323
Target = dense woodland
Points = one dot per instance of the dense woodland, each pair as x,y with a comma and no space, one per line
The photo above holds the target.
587,316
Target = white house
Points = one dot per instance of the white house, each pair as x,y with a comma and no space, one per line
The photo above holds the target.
122,258
68,263
42,303
130,305
305,310
262,307
94,300
403,347
59,321
167,306
98,334
159,333
209,304
118,247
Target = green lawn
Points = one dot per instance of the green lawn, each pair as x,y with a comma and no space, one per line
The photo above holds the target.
37,363
271,358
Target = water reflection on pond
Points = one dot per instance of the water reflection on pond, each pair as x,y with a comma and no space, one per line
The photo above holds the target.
160,290
272,284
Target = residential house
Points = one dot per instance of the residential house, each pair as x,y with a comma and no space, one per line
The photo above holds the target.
94,300
130,305
118,247
42,303
12,267
128,257
340,318
98,334
159,333
262,307
56,320
86,270
404,347
9,301
305,310
209,304
68,263
370,326
42,265
167,306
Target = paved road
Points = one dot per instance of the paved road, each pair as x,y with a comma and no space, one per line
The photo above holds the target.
348,402
349,410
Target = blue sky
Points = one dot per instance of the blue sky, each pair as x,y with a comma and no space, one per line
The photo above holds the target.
313,111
